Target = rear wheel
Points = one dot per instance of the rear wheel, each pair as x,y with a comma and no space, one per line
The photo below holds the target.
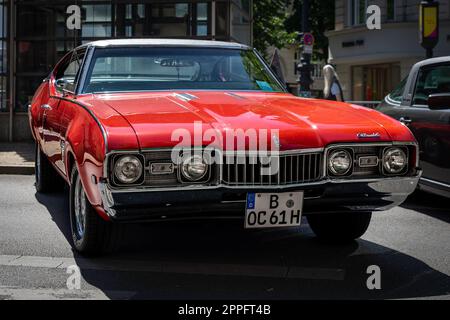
47,179
340,227
90,233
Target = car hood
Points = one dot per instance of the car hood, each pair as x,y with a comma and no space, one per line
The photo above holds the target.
160,119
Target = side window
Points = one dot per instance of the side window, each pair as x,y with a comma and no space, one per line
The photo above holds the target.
431,80
68,74
397,94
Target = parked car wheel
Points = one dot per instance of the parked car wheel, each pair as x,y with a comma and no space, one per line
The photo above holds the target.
90,233
47,179
340,228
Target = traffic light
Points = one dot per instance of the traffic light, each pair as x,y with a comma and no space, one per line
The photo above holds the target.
305,69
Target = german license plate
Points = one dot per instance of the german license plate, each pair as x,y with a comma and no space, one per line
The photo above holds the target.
272,210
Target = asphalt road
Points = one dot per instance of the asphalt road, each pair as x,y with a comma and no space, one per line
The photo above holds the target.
410,244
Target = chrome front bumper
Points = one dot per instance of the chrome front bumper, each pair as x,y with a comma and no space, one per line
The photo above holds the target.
229,202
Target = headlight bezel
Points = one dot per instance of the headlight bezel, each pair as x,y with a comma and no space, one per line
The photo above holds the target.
401,172
183,167
138,181
331,171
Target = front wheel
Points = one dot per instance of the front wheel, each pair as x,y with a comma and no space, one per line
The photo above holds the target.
46,178
340,227
90,233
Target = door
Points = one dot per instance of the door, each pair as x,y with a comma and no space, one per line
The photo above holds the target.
50,114
65,81
431,127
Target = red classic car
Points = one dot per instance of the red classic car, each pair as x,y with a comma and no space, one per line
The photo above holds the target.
164,130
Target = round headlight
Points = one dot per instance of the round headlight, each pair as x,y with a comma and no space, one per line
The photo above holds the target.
128,169
194,168
340,162
394,160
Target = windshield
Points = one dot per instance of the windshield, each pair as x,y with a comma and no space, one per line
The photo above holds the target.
146,69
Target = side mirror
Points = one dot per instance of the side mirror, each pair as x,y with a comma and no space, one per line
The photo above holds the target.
439,101
61,84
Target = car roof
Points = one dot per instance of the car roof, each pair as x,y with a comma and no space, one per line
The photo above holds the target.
165,43
432,61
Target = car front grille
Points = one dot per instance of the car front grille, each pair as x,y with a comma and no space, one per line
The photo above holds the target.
245,170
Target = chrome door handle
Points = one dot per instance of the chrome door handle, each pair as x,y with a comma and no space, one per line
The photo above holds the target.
46,107
405,120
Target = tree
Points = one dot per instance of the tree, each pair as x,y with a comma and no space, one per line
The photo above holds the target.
322,19
269,27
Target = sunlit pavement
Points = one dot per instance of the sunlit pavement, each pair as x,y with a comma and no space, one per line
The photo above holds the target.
410,245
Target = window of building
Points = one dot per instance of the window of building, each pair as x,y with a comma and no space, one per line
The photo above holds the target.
97,22
390,10
222,20
42,37
202,19
356,12
3,57
240,21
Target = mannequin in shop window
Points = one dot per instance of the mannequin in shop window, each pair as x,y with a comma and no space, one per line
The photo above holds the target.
332,89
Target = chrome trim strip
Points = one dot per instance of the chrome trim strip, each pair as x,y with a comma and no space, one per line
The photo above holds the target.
259,187
186,97
436,182
269,70
85,68
235,95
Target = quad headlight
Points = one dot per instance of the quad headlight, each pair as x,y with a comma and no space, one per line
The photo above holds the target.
128,169
394,160
194,168
339,162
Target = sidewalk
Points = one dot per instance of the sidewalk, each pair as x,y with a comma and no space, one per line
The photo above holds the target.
17,158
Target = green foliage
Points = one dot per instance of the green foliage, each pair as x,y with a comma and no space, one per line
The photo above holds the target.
269,28
321,19
275,25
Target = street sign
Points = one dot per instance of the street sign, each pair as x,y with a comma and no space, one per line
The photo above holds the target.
308,49
429,25
308,39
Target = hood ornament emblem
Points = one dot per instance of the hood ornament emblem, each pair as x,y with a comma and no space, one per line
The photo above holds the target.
364,135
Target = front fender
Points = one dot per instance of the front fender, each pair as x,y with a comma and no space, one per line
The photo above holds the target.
85,149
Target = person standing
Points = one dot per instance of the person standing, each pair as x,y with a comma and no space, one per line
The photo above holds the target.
332,89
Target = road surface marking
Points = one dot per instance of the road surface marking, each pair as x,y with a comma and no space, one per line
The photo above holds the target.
272,271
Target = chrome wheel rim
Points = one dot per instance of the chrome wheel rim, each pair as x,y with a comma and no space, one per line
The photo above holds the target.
80,209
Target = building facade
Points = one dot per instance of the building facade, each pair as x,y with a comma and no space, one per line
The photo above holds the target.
371,63
35,34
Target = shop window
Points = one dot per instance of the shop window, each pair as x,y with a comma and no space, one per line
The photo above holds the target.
374,82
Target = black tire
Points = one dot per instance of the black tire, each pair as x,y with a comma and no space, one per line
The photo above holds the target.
47,179
340,227
94,236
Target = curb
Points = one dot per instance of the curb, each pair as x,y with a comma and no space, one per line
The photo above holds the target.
17,170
